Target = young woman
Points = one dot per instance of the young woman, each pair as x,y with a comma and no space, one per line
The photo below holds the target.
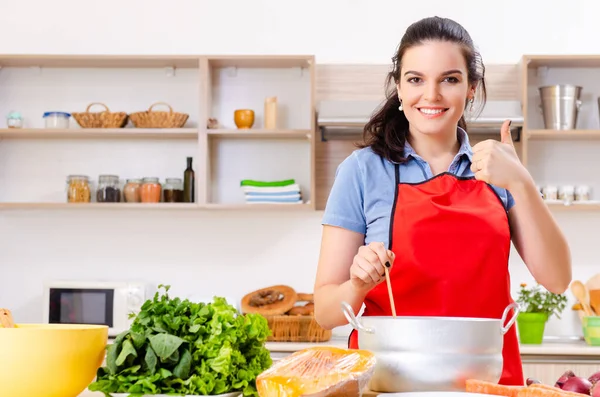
440,214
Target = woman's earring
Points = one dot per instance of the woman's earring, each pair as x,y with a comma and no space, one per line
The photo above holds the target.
400,107
471,107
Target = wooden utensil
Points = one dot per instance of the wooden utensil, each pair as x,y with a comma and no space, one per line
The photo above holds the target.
6,319
389,286
581,293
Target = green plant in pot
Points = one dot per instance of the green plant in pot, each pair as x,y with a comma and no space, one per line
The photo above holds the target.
537,306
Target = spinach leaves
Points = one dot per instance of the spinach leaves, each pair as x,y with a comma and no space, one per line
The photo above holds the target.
180,347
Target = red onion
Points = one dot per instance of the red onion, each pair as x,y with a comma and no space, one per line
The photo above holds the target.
595,392
595,377
531,381
563,378
577,384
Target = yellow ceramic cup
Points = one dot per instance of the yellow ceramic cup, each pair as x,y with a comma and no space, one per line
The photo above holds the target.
50,360
243,118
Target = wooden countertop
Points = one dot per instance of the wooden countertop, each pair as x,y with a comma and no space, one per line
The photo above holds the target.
575,348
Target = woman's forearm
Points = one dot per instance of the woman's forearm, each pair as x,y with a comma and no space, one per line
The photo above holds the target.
538,239
328,299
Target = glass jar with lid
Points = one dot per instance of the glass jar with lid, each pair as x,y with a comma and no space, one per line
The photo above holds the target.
78,189
131,191
173,190
151,190
108,190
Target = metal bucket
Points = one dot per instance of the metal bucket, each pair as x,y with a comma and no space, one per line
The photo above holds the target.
560,106
431,353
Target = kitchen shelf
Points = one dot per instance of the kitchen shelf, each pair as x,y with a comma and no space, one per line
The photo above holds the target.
99,133
153,206
575,206
562,61
203,86
562,134
260,134
99,61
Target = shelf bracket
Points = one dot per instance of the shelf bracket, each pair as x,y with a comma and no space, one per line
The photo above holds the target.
542,72
232,71
170,71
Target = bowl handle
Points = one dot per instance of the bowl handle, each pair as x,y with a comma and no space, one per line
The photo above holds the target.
352,320
512,320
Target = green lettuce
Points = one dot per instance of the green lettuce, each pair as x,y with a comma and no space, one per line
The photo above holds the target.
180,347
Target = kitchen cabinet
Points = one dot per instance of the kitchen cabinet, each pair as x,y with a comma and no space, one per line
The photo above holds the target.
547,370
203,87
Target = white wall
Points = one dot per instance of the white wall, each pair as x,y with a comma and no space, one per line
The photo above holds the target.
202,254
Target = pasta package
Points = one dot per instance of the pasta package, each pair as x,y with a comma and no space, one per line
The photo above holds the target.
318,372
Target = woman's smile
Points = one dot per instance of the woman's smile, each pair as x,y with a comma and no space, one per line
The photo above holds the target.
430,112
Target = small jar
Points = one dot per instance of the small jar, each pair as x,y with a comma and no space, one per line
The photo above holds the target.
14,120
583,193
567,193
550,192
78,189
173,190
108,190
151,190
57,119
131,191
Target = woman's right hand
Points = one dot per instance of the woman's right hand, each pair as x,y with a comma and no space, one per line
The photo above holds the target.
368,266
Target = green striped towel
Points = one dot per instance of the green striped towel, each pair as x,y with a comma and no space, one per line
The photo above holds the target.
251,182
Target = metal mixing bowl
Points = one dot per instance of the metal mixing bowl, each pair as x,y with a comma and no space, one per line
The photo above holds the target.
432,353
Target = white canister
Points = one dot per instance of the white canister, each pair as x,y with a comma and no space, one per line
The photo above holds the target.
57,119
583,193
567,193
550,192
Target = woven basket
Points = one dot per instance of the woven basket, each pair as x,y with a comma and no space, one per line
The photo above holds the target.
287,328
104,119
153,119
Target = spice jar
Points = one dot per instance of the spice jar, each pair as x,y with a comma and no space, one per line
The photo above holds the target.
567,193
550,192
173,190
131,191
583,193
78,189
108,189
150,191
14,120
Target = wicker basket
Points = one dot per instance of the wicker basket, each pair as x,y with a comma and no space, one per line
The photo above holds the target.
104,119
296,329
153,119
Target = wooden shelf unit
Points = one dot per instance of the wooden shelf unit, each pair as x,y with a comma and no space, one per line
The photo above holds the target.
542,149
218,84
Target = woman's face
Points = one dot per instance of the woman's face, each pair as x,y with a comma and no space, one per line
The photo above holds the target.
433,87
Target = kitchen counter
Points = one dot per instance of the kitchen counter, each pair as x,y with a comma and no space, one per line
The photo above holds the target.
571,348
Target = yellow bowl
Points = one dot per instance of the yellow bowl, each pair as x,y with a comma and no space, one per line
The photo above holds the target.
50,360
243,118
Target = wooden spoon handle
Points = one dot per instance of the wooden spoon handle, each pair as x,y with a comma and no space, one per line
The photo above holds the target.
389,286
6,319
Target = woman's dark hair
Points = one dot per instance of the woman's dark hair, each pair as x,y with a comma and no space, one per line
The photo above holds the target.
386,131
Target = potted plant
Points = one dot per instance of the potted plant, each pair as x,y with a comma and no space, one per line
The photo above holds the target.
537,306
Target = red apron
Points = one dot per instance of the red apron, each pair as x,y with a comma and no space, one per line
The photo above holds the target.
451,238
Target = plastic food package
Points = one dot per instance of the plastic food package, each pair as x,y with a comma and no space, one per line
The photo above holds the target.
318,372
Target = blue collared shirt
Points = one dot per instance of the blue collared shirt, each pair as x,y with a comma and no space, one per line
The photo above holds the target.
362,194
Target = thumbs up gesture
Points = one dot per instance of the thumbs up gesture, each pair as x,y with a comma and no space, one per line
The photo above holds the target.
496,162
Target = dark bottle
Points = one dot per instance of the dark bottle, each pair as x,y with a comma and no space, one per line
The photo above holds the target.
189,178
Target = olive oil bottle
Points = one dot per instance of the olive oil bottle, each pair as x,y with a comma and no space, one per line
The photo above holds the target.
189,180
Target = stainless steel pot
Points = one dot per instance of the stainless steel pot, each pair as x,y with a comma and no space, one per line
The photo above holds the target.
431,353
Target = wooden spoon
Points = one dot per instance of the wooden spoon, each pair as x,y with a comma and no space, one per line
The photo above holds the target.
389,286
581,293
6,319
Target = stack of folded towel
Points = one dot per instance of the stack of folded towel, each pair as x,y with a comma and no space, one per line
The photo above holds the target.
275,192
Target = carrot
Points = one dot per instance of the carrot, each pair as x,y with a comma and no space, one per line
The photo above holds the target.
541,390
483,387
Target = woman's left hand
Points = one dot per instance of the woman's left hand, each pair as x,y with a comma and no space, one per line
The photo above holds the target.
497,163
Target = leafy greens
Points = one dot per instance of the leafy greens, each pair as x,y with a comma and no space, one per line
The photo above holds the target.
176,346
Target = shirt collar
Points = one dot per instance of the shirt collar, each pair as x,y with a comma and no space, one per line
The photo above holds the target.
464,150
